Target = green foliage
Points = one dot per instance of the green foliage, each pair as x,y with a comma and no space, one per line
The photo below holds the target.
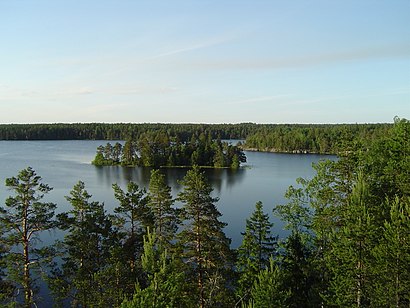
165,217
166,282
392,258
21,221
350,260
86,251
121,131
129,153
133,210
299,276
157,149
388,163
267,290
258,246
133,217
295,214
204,244
325,139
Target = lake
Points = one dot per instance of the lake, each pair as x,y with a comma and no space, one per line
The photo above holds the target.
61,164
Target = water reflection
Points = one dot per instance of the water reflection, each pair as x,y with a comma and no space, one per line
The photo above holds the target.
220,179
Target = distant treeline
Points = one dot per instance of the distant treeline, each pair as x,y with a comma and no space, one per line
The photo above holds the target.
312,138
120,131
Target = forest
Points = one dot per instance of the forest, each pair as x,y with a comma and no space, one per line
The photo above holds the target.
159,149
288,138
348,242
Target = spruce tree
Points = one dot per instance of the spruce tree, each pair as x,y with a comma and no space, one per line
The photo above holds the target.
23,219
204,244
258,246
298,272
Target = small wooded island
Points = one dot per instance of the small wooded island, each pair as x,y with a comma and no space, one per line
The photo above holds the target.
160,149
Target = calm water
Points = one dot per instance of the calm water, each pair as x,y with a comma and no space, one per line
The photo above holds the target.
62,164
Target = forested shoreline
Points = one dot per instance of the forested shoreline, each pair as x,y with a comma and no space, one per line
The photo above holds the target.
348,243
288,138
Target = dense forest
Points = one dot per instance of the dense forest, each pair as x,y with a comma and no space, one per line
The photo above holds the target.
348,243
324,139
120,131
312,138
159,149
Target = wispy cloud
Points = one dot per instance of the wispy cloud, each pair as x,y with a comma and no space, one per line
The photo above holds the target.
16,94
258,99
323,58
185,48
140,89
195,46
9,94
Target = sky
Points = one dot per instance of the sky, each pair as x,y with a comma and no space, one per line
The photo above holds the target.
200,61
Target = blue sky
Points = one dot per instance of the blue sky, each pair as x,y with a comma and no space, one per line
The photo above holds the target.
273,61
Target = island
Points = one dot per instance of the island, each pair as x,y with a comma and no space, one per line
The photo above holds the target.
160,149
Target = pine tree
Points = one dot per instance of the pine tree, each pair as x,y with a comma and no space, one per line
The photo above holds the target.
205,246
23,219
133,217
129,153
258,246
86,251
160,201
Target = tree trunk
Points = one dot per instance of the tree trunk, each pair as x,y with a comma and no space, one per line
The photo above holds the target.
26,278
26,256
200,270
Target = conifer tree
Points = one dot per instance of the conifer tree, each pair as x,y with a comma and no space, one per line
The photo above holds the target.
204,244
350,259
258,246
133,218
392,258
23,219
166,284
160,201
86,250
298,273
296,259
7,289
129,153
267,290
